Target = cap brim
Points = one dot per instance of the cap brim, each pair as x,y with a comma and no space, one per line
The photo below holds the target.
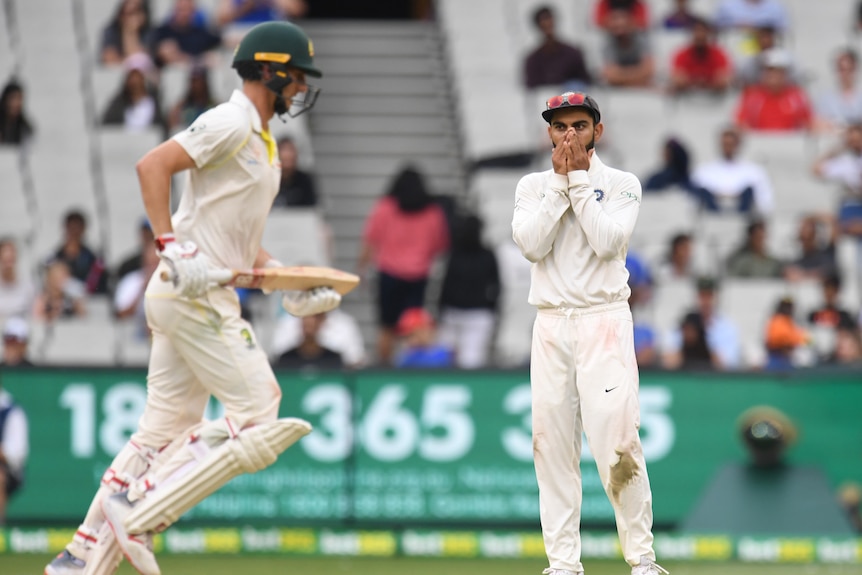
311,71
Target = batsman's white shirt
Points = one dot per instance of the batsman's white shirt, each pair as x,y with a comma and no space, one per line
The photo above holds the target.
227,199
203,347
575,230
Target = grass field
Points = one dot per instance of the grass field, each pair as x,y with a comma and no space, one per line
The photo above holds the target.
258,565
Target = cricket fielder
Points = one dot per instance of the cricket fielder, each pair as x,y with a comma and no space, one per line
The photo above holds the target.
201,346
573,222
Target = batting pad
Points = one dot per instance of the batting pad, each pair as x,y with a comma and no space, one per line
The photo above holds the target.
252,449
106,556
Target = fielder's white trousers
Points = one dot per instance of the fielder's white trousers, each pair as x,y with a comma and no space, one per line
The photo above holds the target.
200,348
584,378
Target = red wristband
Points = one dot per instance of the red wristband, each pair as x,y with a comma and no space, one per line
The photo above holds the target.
163,240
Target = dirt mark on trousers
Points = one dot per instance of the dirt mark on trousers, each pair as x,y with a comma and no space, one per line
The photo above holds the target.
622,473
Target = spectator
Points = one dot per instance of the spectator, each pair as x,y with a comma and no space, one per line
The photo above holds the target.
830,315
129,295
16,335
722,335
83,263
677,264
15,127
553,62
764,39
775,103
676,169
731,183
127,33
848,346
468,299
62,295
748,14
702,65
627,56
751,260
403,235
694,353
135,261
310,352
16,290
197,100
14,449
817,250
249,12
637,9
136,105
184,38
297,187
421,348
339,332
640,284
679,17
843,165
842,105
783,337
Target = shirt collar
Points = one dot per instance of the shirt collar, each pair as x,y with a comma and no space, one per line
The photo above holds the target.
596,165
239,98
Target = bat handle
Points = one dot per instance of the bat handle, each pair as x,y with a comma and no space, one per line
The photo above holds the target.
216,276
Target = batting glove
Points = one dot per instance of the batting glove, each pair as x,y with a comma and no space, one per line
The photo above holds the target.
188,265
311,302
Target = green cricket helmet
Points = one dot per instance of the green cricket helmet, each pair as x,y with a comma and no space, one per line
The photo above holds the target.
282,46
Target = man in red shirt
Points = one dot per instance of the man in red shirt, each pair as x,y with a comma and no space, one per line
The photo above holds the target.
775,103
702,65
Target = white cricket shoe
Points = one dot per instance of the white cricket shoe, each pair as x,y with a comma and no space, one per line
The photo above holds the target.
65,564
550,571
649,567
138,548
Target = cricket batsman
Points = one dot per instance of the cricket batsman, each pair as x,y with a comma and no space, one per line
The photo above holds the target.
201,346
573,223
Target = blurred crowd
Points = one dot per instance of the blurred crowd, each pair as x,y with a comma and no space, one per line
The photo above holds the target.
435,284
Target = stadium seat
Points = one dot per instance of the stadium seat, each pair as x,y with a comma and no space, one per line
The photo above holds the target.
80,342
15,217
749,303
514,330
670,301
662,215
493,191
297,237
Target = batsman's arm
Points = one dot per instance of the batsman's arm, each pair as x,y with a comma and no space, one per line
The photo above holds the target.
609,226
154,174
537,215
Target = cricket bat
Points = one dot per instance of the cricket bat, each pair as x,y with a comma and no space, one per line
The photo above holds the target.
286,278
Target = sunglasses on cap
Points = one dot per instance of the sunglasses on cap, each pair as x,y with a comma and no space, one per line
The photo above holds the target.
571,99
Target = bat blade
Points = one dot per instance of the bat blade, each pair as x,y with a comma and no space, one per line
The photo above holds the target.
286,278
294,278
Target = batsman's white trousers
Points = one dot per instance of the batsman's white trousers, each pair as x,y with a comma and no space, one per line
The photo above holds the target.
202,347
584,378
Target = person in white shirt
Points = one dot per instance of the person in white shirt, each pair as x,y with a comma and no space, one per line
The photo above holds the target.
573,223
16,291
201,346
842,105
14,449
733,184
843,165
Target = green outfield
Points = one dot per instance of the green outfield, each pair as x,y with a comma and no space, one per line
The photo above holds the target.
253,565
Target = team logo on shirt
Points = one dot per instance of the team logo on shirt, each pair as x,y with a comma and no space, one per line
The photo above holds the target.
197,127
600,195
246,335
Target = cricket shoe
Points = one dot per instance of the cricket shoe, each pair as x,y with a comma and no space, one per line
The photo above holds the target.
550,571
137,548
649,567
65,564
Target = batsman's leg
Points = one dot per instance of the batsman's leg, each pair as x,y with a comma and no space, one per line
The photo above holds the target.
175,404
204,464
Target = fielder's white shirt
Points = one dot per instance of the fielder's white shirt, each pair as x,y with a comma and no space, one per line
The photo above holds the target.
575,230
228,196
